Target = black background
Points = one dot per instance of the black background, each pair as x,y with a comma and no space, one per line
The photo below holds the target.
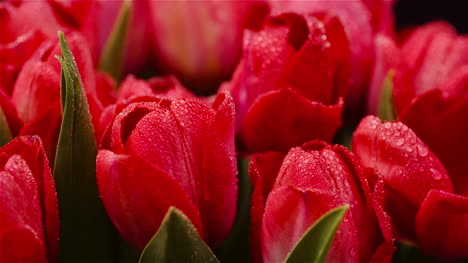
414,12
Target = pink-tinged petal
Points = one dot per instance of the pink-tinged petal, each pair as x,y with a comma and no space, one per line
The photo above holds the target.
289,212
165,87
263,170
105,88
382,15
137,195
407,165
20,213
47,126
282,119
9,110
441,121
432,55
442,225
387,57
31,151
186,139
37,87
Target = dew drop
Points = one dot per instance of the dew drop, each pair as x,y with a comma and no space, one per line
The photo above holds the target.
422,150
400,141
435,174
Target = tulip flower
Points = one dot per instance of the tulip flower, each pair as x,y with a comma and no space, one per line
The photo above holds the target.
36,94
297,70
431,95
136,90
29,227
164,153
291,194
420,196
96,19
201,41
21,36
363,22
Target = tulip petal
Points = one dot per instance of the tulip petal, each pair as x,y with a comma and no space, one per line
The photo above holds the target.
441,225
21,227
11,115
296,120
37,87
442,123
290,212
408,167
186,139
31,151
137,194
47,127
263,171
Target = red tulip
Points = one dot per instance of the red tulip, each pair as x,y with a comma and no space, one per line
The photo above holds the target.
431,95
290,82
21,36
419,192
200,41
95,19
137,90
166,153
291,194
362,20
36,94
29,227
9,111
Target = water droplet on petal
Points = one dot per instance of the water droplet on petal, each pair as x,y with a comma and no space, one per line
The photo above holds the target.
435,174
422,150
400,141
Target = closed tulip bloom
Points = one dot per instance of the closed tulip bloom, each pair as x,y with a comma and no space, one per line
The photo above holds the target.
297,70
164,153
431,95
292,194
29,227
421,199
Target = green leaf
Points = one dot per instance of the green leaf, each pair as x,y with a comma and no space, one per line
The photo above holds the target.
315,243
5,133
85,230
236,247
113,54
177,240
386,105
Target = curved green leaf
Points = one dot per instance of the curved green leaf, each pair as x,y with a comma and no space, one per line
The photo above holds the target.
5,133
386,106
315,243
85,230
177,240
113,54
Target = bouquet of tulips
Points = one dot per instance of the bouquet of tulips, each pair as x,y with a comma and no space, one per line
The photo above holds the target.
230,131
